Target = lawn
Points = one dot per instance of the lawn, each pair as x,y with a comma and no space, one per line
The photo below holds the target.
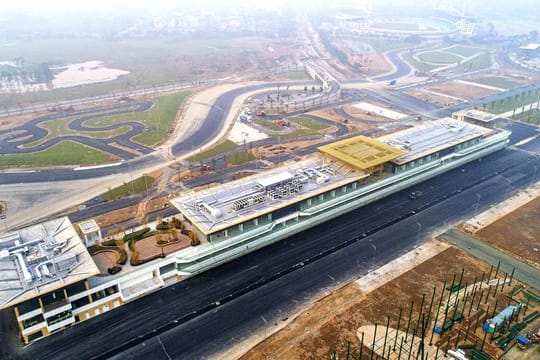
59,127
383,45
158,120
420,66
532,118
478,63
269,124
309,127
221,148
150,62
465,50
293,75
130,188
63,153
240,158
439,58
309,123
496,81
513,102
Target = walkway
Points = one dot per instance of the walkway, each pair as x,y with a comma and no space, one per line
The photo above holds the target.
489,254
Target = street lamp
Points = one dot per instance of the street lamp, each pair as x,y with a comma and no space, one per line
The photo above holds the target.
477,204
145,183
418,234
374,252
507,187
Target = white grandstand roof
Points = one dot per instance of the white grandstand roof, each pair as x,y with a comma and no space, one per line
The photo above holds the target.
41,258
232,203
431,137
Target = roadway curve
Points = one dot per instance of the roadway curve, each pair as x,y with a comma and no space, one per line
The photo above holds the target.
401,67
30,131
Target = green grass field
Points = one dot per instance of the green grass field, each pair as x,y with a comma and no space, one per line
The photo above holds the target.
420,66
309,127
130,188
532,117
149,61
465,50
513,102
240,158
59,127
496,81
309,123
63,153
159,119
478,63
293,75
269,124
437,57
383,45
221,148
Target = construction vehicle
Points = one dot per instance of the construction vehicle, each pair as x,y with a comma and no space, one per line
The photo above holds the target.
281,122
525,341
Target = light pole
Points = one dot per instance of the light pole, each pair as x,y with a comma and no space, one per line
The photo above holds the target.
374,252
145,184
507,187
477,204
418,233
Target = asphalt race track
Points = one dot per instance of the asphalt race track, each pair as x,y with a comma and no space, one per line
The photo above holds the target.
270,283
30,131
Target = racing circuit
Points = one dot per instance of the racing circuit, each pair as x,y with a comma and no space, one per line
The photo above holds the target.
13,141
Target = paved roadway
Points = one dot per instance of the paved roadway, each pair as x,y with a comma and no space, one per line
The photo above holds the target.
262,283
402,68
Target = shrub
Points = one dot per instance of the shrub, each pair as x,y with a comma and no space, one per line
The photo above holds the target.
113,270
176,223
136,235
123,256
111,243
162,226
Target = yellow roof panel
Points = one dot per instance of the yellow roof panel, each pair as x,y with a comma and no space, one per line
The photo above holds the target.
362,152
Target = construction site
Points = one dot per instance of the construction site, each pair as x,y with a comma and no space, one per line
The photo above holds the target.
438,301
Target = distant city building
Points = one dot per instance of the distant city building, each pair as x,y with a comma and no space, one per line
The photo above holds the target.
357,24
479,117
467,26
529,51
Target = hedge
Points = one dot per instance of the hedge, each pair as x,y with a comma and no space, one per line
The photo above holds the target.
136,235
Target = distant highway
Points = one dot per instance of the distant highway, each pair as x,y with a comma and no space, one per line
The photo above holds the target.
402,68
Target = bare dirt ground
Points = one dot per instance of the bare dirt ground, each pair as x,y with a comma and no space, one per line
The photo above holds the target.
330,114
285,148
148,247
433,98
105,260
332,322
461,91
517,233
127,213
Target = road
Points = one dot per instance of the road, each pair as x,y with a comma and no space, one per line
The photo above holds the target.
492,256
263,283
402,68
